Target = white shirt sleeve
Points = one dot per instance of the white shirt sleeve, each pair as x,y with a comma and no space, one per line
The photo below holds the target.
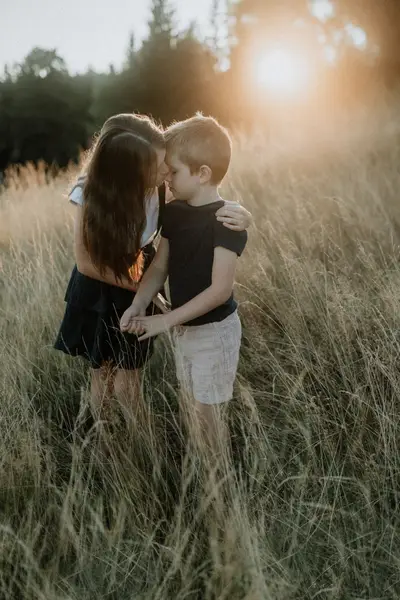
76,194
152,210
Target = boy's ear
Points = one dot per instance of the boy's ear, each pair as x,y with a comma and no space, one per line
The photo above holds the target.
205,173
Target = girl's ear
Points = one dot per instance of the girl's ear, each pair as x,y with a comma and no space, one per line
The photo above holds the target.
205,173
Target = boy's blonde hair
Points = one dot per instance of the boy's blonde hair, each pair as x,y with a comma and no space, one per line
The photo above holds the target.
201,141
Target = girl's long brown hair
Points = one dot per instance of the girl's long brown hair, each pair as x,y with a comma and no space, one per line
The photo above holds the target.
120,177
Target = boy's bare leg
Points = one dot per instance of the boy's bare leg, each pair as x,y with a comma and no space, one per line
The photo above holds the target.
214,440
187,415
211,432
205,425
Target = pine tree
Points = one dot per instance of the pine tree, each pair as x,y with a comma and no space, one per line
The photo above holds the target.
131,53
161,25
214,25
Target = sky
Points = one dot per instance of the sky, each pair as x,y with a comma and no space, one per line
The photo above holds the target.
95,33
85,33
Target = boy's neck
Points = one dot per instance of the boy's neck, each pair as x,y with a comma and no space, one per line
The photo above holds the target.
205,196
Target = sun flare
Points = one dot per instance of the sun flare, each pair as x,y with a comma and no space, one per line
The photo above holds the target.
282,71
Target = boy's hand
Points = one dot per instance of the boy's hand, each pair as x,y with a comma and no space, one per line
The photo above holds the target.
234,216
152,326
127,323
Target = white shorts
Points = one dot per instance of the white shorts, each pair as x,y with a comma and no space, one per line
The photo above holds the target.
207,357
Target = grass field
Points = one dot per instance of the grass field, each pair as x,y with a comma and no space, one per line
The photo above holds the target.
311,506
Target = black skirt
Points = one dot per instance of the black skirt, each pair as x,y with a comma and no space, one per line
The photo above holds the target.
90,327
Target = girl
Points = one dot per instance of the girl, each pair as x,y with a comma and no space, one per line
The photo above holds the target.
119,213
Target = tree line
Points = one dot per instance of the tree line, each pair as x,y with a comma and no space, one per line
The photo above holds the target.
48,114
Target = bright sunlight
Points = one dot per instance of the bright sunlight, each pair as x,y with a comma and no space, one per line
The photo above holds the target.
282,71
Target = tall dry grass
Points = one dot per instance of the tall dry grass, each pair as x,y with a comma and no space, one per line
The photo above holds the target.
310,507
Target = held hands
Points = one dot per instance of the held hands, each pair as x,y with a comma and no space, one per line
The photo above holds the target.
127,323
134,319
148,327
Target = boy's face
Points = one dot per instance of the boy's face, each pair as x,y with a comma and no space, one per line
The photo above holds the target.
181,182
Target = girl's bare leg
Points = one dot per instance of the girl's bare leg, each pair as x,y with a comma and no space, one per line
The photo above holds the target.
128,394
101,381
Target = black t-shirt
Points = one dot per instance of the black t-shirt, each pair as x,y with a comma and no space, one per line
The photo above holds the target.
193,232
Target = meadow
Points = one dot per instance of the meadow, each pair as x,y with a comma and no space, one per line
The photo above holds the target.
310,508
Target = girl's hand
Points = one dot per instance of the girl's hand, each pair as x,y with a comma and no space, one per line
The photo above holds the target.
234,216
153,325
127,323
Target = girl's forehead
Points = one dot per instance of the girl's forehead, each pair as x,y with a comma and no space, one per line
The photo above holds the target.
172,160
160,155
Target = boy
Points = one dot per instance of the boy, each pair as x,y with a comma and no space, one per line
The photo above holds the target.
199,256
